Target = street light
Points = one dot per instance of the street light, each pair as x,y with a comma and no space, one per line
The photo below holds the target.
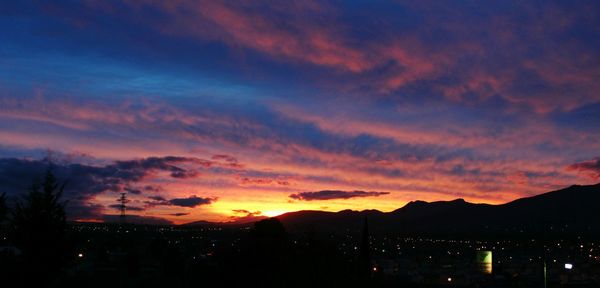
568,266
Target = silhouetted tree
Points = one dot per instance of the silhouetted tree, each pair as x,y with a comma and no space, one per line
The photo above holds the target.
38,223
269,228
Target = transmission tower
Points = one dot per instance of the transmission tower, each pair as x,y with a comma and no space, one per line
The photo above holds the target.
123,206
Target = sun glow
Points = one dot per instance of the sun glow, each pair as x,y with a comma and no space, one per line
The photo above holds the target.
273,213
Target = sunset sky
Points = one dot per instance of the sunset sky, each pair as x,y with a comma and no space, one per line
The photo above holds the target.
210,110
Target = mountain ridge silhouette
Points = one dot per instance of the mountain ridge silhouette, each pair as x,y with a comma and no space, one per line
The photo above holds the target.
568,210
565,211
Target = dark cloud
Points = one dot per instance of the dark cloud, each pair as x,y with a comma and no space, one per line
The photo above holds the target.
17,174
178,214
590,167
191,201
140,167
85,180
334,194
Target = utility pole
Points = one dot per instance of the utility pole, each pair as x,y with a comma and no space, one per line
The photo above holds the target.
365,254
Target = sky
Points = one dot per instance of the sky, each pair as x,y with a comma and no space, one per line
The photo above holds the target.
228,110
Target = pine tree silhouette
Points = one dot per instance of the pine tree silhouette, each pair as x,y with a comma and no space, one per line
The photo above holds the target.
38,223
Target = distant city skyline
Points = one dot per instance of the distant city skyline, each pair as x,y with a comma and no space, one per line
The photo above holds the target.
210,110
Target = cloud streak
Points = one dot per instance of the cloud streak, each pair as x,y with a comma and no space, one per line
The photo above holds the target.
189,202
590,168
334,194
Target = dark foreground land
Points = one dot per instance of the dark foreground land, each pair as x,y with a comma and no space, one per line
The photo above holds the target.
265,255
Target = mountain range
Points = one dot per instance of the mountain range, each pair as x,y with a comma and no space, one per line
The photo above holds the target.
571,211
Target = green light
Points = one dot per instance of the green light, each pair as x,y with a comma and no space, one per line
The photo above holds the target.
484,261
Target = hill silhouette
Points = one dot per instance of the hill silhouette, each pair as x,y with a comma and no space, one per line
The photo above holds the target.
565,211
241,221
